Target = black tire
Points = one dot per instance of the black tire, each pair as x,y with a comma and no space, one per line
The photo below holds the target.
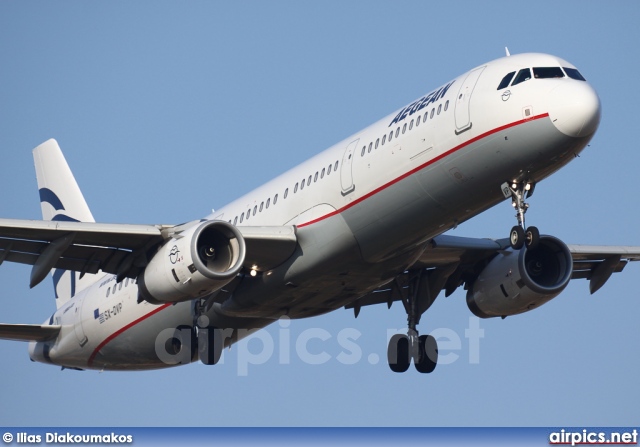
428,354
532,236
210,345
517,237
398,353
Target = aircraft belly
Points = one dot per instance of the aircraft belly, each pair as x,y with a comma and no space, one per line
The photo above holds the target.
326,252
141,346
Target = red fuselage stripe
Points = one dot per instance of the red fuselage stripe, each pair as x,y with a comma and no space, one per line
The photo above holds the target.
422,166
124,328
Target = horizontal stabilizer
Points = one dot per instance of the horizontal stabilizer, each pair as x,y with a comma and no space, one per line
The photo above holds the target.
28,332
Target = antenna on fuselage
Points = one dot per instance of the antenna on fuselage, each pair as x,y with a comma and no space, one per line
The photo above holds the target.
507,51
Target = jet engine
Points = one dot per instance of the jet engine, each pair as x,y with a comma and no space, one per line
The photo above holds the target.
516,281
194,263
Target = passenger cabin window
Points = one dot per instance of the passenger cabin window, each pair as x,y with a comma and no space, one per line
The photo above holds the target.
574,74
505,81
523,75
547,72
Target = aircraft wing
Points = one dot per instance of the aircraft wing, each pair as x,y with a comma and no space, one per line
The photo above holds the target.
452,261
121,249
28,332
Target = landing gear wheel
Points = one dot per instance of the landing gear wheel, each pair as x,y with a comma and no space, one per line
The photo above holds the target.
428,354
532,237
210,345
398,353
517,237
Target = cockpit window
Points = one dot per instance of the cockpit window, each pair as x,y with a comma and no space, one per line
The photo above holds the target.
505,81
523,75
574,74
547,72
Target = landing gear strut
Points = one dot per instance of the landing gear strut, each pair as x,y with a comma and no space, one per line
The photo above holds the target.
520,235
423,349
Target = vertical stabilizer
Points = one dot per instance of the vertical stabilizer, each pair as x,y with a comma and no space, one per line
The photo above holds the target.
61,200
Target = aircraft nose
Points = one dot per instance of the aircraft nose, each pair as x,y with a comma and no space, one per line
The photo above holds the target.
574,108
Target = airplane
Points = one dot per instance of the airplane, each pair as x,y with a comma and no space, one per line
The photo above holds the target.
362,223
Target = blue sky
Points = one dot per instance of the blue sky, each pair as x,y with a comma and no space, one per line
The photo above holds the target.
165,110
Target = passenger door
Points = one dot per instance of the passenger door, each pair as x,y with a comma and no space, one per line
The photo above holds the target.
462,112
346,168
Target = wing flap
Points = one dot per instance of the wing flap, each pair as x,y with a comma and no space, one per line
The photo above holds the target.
111,248
268,247
86,233
28,332
601,252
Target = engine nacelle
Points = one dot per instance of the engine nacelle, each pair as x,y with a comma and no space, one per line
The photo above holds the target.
195,263
515,282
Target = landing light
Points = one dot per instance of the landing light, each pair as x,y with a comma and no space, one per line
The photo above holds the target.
527,186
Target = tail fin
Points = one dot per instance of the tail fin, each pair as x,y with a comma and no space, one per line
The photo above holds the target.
61,200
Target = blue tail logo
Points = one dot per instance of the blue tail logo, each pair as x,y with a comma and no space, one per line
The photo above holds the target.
50,197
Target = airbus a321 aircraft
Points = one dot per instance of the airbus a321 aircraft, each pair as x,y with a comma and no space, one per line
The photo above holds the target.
359,224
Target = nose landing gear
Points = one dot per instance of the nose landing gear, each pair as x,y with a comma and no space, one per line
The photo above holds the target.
520,235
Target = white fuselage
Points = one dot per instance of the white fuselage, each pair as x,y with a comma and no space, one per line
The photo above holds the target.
364,209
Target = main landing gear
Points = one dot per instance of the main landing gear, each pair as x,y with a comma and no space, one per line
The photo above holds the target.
521,235
423,349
